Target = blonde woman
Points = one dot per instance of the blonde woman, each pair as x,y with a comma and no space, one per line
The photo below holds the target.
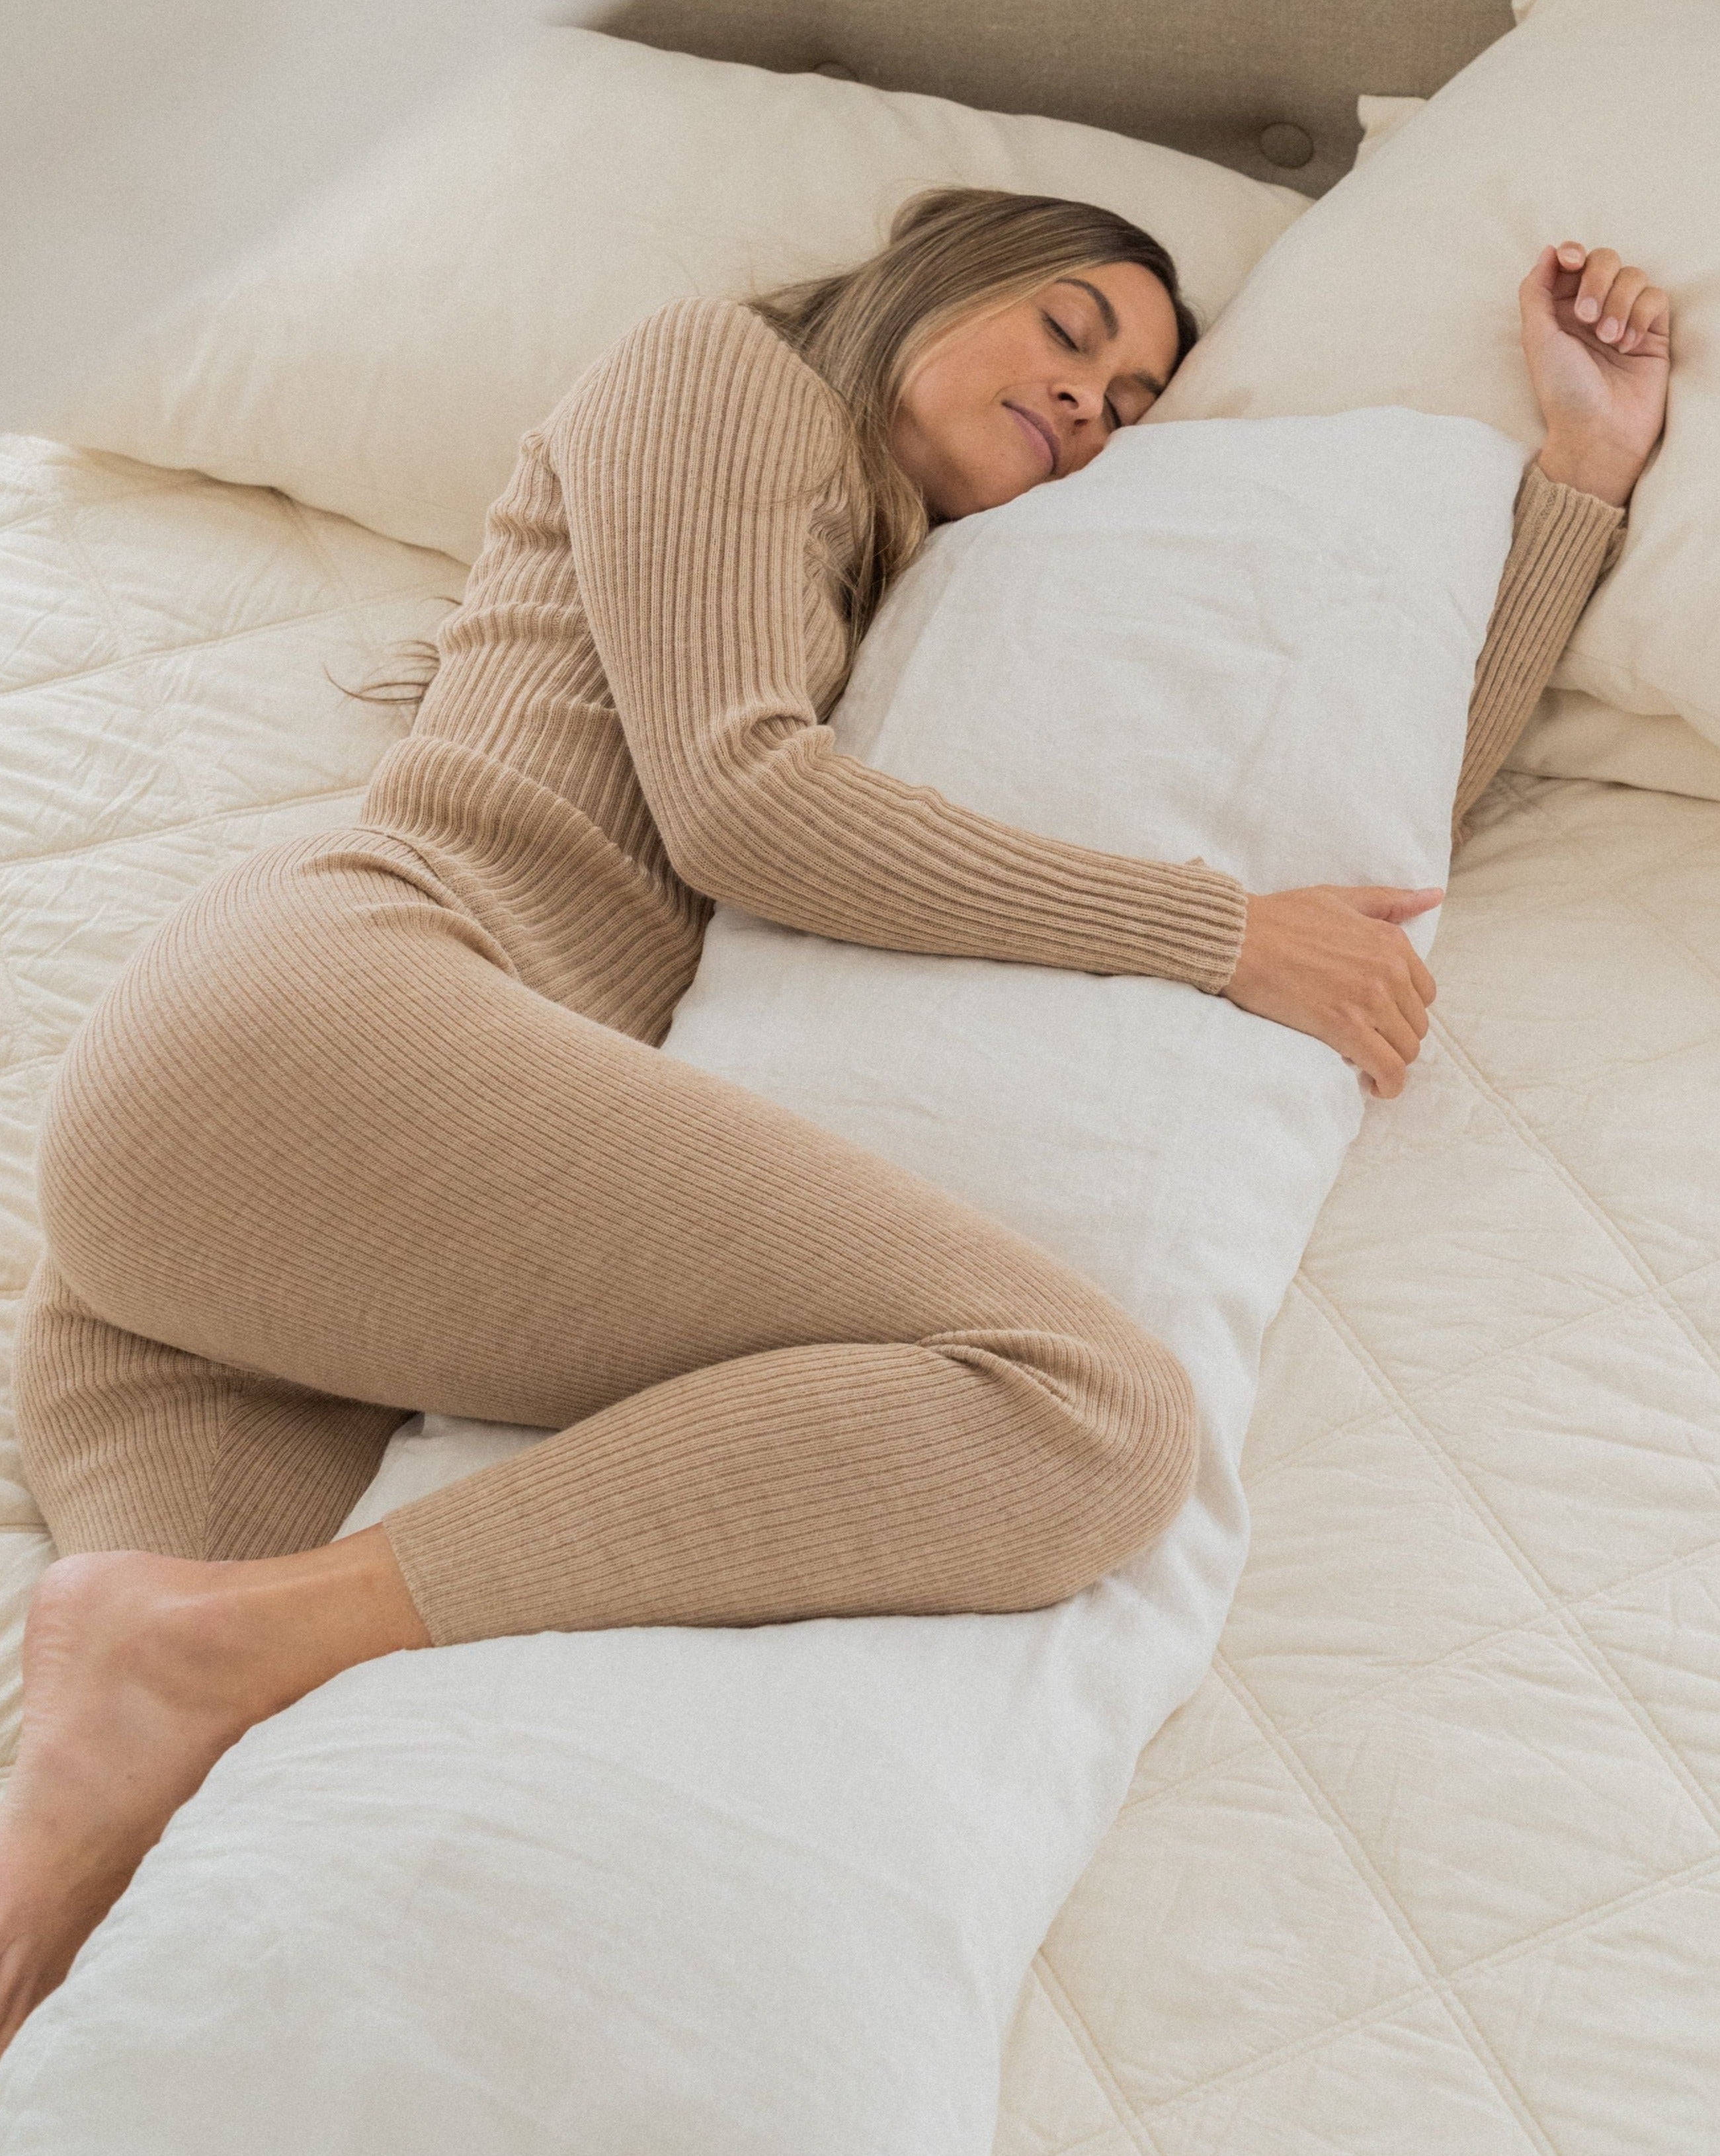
376,1120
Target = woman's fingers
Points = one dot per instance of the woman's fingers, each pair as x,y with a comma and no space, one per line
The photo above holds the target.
1612,298
1386,1070
1396,1019
1405,1024
1651,316
1381,1043
1536,294
1411,1008
1387,901
1617,301
1333,961
1598,271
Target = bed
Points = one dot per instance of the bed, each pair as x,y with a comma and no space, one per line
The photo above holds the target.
1429,1862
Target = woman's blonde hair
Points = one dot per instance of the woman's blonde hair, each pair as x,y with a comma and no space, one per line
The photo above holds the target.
952,253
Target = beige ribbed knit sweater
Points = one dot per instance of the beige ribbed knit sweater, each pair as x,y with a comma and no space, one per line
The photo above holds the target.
625,726
321,1154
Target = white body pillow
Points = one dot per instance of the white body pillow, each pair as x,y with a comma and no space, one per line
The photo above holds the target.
1596,121
384,356
677,1891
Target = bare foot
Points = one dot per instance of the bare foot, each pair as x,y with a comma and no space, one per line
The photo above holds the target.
139,1672
121,1725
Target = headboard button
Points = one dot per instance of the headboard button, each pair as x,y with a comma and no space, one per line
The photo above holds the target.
1286,144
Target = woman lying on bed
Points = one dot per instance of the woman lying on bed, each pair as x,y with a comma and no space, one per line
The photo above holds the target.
376,1117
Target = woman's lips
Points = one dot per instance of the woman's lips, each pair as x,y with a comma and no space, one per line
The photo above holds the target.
1037,431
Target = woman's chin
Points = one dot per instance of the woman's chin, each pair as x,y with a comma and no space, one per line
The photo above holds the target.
985,487
1004,486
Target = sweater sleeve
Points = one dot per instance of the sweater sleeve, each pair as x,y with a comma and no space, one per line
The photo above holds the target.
1563,542
692,459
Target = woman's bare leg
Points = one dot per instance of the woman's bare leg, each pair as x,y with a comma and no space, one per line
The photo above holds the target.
140,1671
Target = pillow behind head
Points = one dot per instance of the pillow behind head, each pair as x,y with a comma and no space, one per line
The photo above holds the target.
1380,119
1593,121
384,356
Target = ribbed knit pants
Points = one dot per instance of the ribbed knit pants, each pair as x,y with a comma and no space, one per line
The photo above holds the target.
320,1158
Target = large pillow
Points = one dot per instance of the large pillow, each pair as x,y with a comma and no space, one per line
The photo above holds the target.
384,357
1570,734
1596,119
683,1891
1573,736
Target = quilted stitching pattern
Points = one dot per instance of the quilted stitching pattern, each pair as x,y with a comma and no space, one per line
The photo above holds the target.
1432,1861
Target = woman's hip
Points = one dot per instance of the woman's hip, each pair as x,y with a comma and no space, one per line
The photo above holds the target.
227,1046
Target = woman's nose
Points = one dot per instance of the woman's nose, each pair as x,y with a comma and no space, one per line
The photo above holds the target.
1085,401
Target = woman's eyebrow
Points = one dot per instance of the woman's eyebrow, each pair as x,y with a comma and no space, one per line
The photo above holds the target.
1108,314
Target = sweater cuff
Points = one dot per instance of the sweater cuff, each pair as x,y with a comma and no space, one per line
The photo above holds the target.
1562,542
1192,928
1584,520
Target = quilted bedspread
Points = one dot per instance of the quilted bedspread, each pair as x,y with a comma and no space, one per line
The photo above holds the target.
1432,1860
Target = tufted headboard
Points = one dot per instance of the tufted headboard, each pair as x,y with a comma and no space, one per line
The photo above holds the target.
1268,86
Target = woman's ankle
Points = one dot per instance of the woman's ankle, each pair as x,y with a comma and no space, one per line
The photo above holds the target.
309,1616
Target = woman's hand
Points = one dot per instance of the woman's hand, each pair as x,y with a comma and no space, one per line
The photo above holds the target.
1332,961
1597,336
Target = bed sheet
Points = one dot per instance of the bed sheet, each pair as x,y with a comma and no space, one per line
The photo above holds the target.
1432,1860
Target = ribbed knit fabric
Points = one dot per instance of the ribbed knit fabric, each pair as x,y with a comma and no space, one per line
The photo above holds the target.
1563,542
648,642
374,1121
320,1130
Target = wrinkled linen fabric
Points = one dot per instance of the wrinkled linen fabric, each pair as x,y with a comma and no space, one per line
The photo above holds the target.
677,1889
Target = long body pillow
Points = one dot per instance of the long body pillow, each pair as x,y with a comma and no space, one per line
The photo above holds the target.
1596,121
383,356
686,1891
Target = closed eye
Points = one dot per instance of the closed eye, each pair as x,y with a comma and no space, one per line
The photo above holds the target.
1052,323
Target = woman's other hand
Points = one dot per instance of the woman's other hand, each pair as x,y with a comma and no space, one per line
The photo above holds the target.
1333,961
1597,336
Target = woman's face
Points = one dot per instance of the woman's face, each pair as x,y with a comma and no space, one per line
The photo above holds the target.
1001,402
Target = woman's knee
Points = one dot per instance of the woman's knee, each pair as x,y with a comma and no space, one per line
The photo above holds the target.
1112,1434
1137,1462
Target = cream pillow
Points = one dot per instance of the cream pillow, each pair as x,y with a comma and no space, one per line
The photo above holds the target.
1380,119
383,357
1570,734
1595,120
